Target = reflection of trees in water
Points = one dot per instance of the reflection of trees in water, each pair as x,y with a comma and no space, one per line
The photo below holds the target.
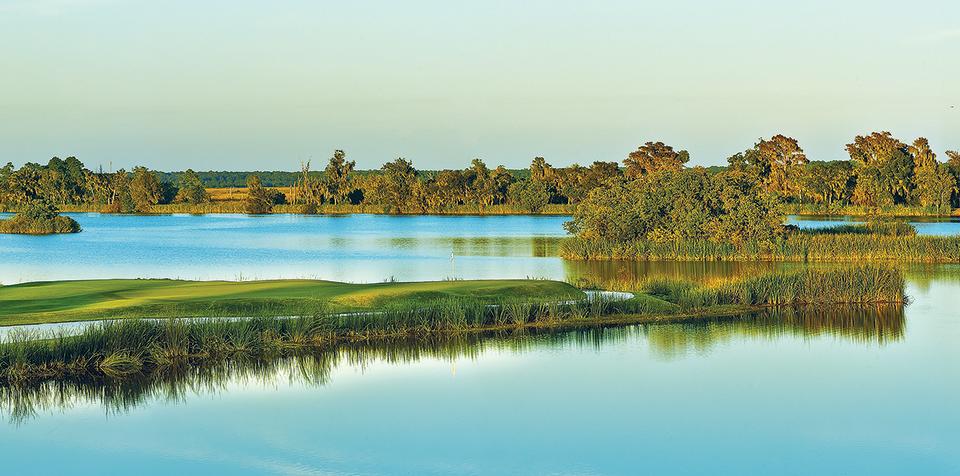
923,275
860,324
700,272
537,246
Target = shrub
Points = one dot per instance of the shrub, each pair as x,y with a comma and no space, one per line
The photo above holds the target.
39,217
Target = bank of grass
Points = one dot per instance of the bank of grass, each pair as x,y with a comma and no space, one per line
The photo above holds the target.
847,243
865,284
891,211
62,301
124,347
875,227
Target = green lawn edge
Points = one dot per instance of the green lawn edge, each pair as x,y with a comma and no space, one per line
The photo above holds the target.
80,300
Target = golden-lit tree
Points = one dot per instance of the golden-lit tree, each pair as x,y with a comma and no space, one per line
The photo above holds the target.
654,157
784,161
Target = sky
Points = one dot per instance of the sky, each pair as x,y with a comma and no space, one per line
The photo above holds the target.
264,85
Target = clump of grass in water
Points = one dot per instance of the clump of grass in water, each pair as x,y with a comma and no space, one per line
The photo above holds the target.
873,227
800,246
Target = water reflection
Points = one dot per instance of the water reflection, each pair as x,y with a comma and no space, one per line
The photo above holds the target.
871,325
701,272
862,324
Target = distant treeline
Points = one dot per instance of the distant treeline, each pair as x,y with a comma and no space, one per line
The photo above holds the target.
882,172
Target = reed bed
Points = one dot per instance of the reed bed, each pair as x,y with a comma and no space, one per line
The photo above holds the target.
796,247
901,211
865,284
890,228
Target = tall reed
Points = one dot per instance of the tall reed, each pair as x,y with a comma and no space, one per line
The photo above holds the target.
798,247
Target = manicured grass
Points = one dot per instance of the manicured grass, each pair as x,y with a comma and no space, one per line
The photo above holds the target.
60,301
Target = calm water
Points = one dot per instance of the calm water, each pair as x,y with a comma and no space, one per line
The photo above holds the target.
866,391
353,248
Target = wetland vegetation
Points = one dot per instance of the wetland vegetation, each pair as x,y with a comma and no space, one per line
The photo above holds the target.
131,346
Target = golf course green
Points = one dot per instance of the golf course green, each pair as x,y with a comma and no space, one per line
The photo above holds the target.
62,301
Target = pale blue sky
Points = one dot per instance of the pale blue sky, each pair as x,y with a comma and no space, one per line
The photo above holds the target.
264,85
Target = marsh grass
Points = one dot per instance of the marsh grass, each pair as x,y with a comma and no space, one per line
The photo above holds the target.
796,247
874,227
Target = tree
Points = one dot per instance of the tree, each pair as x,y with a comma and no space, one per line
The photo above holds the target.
479,185
828,182
308,190
529,195
541,170
672,206
783,162
337,175
399,188
500,179
653,157
933,184
883,167
599,173
260,200
191,189
954,161
145,190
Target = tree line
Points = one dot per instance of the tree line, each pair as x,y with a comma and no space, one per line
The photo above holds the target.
882,171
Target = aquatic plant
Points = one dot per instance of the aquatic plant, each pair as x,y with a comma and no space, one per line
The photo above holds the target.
797,247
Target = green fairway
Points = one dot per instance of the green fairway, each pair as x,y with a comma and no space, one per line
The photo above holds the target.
60,301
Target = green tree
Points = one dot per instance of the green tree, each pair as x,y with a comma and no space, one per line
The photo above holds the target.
145,190
783,162
337,175
828,183
260,200
671,206
884,170
654,157
190,188
399,189
309,191
529,195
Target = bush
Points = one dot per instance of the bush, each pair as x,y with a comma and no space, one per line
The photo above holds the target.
40,217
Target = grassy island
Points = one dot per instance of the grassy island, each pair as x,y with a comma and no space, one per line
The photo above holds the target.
384,312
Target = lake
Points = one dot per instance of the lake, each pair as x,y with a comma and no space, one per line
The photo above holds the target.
351,248
819,391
